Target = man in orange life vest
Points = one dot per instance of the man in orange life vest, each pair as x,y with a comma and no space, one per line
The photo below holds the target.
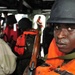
24,45
39,23
11,31
61,53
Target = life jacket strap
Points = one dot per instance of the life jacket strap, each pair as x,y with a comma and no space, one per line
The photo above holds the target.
68,56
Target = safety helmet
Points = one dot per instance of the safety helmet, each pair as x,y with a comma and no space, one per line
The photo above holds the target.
11,20
25,24
63,11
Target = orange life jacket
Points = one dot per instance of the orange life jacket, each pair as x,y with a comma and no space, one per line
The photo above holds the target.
55,62
52,53
21,41
9,33
39,23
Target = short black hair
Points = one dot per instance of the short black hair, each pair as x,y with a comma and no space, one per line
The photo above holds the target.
25,24
11,19
5,12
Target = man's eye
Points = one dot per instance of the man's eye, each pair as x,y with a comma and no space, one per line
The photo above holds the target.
56,27
69,29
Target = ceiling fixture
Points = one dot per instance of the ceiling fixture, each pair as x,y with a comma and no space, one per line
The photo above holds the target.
48,0
26,4
46,10
2,7
10,10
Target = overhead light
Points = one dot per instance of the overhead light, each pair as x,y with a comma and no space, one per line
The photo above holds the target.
26,4
10,10
48,0
2,7
46,10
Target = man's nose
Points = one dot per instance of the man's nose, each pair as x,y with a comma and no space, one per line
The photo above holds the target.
63,33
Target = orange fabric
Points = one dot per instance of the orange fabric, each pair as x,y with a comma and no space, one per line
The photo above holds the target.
42,70
69,66
20,44
45,71
53,73
52,53
54,63
10,32
39,23
14,34
6,31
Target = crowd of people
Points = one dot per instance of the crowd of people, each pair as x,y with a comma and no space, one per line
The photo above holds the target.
19,37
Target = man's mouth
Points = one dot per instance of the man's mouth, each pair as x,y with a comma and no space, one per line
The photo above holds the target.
61,45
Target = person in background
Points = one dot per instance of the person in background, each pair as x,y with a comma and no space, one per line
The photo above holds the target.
61,52
7,59
1,18
39,27
39,23
11,31
25,45
47,37
5,13
23,50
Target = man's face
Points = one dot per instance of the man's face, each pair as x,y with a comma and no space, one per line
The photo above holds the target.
65,37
